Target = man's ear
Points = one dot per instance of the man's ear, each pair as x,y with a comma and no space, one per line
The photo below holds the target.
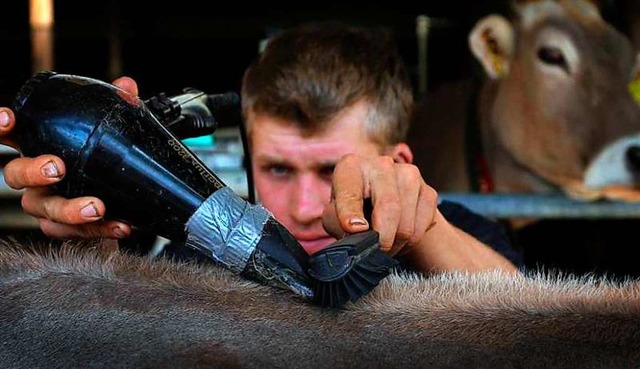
492,43
401,153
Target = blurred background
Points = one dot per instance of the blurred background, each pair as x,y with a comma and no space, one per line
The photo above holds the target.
207,44
199,44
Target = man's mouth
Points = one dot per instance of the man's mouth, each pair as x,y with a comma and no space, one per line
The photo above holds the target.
312,246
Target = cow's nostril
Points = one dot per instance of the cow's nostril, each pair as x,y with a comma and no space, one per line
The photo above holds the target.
633,158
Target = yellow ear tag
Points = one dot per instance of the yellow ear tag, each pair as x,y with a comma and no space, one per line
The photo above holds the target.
634,88
498,66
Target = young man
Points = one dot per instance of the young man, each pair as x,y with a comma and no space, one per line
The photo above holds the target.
327,108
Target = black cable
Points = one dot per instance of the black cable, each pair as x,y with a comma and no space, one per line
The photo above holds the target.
247,161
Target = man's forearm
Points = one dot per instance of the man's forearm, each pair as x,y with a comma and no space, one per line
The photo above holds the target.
446,247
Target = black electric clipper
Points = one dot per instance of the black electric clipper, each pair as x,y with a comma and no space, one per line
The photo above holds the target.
116,149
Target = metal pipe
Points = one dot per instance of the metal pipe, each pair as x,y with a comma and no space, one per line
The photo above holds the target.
557,206
422,34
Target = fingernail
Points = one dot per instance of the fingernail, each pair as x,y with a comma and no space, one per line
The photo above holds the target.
357,221
118,232
4,118
50,170
89,211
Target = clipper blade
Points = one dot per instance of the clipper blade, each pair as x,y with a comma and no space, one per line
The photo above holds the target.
349,269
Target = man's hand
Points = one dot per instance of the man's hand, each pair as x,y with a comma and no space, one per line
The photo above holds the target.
57,216
405,214
404,206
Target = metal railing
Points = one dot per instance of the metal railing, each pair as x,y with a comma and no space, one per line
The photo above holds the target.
551,206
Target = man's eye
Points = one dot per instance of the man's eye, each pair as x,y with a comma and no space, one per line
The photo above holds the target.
279,170
327,171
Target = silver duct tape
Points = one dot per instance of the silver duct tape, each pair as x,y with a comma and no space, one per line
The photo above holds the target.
227,228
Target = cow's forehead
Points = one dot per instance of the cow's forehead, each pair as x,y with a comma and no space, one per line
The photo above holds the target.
532,12
578,25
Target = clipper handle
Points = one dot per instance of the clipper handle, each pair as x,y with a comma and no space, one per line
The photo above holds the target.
116,149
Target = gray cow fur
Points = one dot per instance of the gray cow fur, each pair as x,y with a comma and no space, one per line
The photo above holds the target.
79,306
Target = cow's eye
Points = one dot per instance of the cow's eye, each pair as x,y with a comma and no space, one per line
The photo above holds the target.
553,56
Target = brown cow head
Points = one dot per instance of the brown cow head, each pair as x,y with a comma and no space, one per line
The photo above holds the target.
558,104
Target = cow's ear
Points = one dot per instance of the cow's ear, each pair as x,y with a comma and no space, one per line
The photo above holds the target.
491,41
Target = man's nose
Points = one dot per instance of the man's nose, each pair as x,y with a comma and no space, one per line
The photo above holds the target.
309,199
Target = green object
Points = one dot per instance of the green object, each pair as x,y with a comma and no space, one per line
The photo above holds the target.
634,89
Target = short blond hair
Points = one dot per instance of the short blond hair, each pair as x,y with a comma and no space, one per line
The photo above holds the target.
310,73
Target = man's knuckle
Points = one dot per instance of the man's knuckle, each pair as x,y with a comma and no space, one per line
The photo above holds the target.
48,210
349,159
415,238
405,233
385,161
430,193
25,202
412,173
392,209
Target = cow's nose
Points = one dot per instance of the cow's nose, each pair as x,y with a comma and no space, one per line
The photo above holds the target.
633,158
617,164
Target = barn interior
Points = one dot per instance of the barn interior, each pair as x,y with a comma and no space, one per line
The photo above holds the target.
207,46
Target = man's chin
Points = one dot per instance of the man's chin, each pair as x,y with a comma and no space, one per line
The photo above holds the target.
313,246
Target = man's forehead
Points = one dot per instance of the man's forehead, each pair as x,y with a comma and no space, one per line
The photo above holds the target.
317,164
262,122
324,153
353,116
282,132
280,139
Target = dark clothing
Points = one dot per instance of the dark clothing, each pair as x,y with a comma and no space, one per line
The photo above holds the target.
484,229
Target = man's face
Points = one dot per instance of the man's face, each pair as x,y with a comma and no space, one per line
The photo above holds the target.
292,172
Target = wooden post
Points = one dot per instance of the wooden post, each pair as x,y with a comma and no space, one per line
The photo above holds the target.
42,37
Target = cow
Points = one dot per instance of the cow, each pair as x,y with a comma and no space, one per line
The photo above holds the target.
80,305
553,112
